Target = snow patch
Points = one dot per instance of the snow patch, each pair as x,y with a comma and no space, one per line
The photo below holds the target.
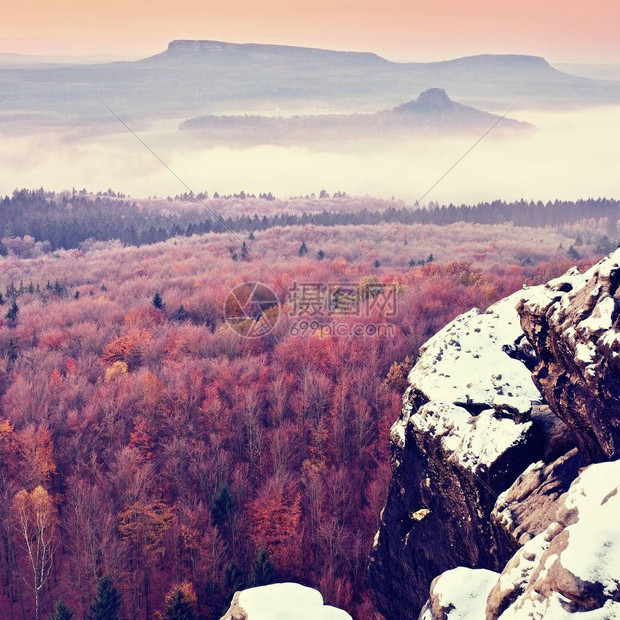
464,592
475,441
466,362
287,601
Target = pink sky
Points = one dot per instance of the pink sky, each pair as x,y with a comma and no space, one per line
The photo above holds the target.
560,30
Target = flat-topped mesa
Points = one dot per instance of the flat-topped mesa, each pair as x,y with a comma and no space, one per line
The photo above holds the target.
470,424
575,330
211,50
189,45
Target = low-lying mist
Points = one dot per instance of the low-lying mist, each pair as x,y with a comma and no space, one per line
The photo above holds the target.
571,155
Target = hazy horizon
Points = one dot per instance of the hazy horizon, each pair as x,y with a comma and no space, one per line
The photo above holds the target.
396,29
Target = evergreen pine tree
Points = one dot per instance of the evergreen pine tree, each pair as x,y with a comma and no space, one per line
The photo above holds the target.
61,612
303,249
234,577
107,603
320,255
177,607
222,506
12,312
263,571
157,301
11,352
181,314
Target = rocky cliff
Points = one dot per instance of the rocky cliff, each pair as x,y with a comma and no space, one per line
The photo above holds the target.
503,411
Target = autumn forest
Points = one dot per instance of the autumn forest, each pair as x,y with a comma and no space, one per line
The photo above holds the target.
151,455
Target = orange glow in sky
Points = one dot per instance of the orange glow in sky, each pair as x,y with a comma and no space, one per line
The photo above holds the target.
560,30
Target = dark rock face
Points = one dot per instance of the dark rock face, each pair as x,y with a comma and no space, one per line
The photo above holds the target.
574,334
437,513
486,467
456,447
529,506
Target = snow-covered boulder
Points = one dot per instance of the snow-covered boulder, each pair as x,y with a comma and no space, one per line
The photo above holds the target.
465,433
495,404
574,326
459,594
570,571
282,601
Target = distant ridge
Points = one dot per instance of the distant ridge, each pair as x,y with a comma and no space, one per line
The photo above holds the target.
199,47
193,78
209,50
433,112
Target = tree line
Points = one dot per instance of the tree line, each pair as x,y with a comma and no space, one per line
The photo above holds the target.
36,222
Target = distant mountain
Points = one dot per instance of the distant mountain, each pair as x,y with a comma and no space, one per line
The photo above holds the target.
432,113
213,52
194,78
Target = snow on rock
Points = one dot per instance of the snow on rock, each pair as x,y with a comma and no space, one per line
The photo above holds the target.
573,324
282,601
459,594
466,362
466,368
572,569
472,441
512,402
464,435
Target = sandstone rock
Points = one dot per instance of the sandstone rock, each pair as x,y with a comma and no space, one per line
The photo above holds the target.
460,593
573,325
484,452
574,565
529,506
570,568
463,437
282,601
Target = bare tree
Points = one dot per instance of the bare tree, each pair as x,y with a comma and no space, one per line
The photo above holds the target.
35,518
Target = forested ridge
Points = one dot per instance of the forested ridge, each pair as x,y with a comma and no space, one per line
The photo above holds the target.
68,219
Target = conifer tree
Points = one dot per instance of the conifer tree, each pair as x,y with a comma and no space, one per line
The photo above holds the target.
177,606
222,506
12,312
61,612
234,577
263,571
157,301
107,603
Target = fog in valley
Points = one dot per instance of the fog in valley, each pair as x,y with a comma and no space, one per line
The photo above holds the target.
569,155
